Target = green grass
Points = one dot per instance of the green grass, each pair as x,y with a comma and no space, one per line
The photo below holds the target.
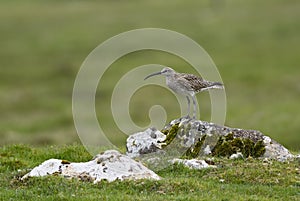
255,45
234,180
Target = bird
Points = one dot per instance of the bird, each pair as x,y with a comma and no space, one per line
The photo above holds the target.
186,84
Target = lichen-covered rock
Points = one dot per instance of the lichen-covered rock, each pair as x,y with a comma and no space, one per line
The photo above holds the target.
110,166
194,138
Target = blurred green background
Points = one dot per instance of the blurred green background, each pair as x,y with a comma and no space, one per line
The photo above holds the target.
255,45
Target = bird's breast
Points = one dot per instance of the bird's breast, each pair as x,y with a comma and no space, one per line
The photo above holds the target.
176,86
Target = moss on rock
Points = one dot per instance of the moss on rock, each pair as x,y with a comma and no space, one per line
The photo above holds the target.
228,145
194,151
259,149
170,133
247,148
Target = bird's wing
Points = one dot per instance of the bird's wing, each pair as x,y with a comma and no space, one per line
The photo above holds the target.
192,82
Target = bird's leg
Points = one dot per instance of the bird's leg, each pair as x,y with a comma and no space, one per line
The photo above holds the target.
189,107
195,107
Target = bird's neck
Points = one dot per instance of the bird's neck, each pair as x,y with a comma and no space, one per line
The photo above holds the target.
170,79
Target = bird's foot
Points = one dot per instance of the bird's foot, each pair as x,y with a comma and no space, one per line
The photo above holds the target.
185,117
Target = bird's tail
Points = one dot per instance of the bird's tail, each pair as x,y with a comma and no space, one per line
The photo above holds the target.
215,85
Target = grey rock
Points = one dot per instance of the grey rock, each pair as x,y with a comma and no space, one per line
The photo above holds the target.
195,138
274,150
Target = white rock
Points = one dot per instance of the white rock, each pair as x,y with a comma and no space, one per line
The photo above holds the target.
144,142
110,166
193,163
238,155
267,140
46,168
207,150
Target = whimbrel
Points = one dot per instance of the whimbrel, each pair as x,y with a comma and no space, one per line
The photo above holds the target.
186,84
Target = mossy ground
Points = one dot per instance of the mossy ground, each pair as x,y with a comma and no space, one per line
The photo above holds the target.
249,179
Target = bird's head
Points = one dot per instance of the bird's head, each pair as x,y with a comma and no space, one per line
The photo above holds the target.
167,71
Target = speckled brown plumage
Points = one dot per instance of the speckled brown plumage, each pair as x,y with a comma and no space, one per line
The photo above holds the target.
196,83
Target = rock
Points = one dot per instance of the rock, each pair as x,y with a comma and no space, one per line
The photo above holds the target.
275,150
193,163
238,155
195,138
110,166
207,150
148,141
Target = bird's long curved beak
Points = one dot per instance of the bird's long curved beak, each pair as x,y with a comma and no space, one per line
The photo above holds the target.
153,74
